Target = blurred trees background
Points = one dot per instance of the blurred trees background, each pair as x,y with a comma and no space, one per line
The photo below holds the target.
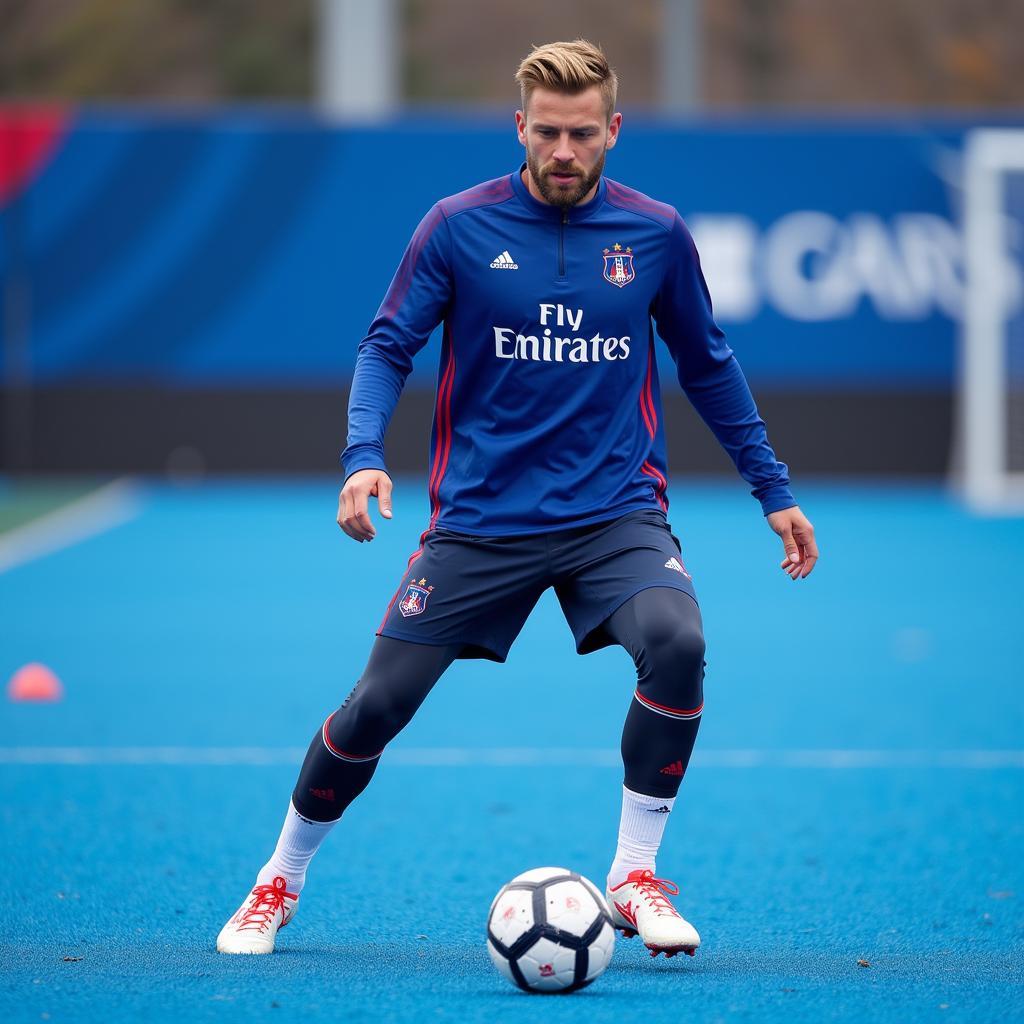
157,49
754,53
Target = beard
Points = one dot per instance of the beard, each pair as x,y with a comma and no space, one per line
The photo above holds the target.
563,195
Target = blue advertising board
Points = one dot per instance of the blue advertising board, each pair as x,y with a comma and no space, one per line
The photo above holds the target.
253,247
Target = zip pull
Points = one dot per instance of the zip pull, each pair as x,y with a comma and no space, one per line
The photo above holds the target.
561,242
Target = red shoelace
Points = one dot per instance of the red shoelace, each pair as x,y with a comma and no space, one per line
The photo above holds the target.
656,891
267,900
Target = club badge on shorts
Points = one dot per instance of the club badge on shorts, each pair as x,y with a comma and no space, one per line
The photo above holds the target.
618,265
414,601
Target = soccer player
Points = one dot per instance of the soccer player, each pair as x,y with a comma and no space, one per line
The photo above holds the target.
547,469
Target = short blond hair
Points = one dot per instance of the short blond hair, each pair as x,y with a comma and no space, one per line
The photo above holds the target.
570,68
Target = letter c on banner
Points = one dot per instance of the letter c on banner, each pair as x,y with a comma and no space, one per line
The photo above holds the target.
807,267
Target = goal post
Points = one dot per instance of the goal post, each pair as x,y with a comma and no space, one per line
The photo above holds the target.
991,370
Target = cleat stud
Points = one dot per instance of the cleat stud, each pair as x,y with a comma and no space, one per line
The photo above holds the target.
690,952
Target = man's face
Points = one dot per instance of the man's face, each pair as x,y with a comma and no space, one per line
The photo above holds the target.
566,138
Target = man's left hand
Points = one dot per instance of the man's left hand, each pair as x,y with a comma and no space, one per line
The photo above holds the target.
798,539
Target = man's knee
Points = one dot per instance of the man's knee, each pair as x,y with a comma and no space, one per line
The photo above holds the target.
397,678
373,711
670,631
674,642
670,656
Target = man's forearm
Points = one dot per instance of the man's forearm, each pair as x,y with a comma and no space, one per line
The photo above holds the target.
376,386
723,399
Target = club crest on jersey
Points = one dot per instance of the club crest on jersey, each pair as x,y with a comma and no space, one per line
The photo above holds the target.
414,601
618,265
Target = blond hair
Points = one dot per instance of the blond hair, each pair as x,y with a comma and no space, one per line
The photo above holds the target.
570,68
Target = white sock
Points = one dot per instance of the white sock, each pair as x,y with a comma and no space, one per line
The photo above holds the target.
300,839
640,830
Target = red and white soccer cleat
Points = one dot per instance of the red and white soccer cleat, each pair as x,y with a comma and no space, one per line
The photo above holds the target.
641,905
254,927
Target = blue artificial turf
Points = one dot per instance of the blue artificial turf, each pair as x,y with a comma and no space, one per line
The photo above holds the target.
235,615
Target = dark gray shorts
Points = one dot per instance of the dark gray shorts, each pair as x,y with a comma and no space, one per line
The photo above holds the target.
479,591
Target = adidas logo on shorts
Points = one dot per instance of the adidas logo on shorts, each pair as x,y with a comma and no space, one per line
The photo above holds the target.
504,262
674,563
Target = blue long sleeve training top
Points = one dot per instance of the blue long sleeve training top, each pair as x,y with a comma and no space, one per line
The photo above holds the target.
548,409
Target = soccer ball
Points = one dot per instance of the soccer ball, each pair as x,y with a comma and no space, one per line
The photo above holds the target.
549,930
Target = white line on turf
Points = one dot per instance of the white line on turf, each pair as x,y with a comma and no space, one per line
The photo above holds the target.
513,757
109,506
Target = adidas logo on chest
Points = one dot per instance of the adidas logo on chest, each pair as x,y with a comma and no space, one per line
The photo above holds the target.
504,262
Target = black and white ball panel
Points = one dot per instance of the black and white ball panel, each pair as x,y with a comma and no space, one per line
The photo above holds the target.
599,952
550,967
549,930
511,916
570,907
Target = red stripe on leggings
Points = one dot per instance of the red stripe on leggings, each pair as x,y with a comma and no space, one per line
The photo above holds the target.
341,753
692,713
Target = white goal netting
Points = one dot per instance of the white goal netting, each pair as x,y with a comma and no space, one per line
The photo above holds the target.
991,385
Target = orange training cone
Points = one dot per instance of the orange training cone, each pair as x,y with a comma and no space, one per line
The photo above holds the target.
34,682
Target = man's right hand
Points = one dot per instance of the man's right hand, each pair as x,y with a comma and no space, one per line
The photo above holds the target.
354,501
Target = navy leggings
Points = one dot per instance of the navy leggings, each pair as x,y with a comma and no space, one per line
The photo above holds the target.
660,628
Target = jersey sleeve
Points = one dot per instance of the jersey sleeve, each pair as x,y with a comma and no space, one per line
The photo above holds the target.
415,303
710,375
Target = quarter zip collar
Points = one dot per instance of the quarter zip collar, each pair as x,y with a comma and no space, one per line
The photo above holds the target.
552,212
